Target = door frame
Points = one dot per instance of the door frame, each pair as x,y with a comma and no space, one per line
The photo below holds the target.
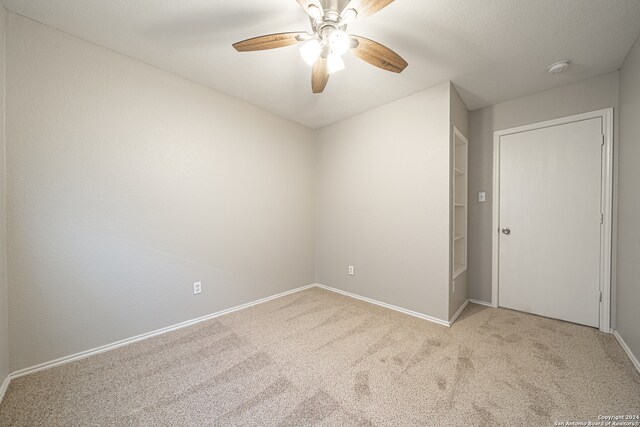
606,204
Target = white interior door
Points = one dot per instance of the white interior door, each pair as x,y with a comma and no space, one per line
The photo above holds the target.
550,219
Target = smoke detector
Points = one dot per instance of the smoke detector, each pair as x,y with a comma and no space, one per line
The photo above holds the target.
558,67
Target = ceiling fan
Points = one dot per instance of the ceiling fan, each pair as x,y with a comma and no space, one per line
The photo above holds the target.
324,46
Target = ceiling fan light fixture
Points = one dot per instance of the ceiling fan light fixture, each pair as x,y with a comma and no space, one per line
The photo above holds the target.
339,42
334,63
310,51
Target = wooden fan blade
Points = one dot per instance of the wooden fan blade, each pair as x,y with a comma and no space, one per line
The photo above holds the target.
319,75
378,55
270,41
306,3
367,7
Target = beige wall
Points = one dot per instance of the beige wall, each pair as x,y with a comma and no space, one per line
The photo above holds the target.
383,203
589,95
123,193
4,319
460,119
127,184
628,277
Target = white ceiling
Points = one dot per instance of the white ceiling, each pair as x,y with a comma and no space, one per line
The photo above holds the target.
493,50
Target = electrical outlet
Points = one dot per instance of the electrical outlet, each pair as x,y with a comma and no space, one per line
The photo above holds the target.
351,270
197,288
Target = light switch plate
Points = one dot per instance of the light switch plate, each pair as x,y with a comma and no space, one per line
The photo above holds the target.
482,196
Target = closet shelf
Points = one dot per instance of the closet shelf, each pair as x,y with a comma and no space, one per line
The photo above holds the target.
459,182
458,269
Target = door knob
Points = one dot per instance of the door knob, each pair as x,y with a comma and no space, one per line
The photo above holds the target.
506,231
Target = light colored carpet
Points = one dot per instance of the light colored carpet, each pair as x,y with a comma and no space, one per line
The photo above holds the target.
316,357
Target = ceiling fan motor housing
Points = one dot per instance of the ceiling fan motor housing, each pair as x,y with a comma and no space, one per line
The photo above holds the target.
334,5
323,29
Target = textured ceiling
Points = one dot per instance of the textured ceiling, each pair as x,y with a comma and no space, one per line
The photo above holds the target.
493,50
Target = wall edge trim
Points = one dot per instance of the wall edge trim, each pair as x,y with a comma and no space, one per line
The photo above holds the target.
457,313
480,302
627,350
389,306
4,386
141,337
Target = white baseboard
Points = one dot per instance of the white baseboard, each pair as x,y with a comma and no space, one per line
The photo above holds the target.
457,313
477,301
104,348
107,347
383,304
4,386
627,350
